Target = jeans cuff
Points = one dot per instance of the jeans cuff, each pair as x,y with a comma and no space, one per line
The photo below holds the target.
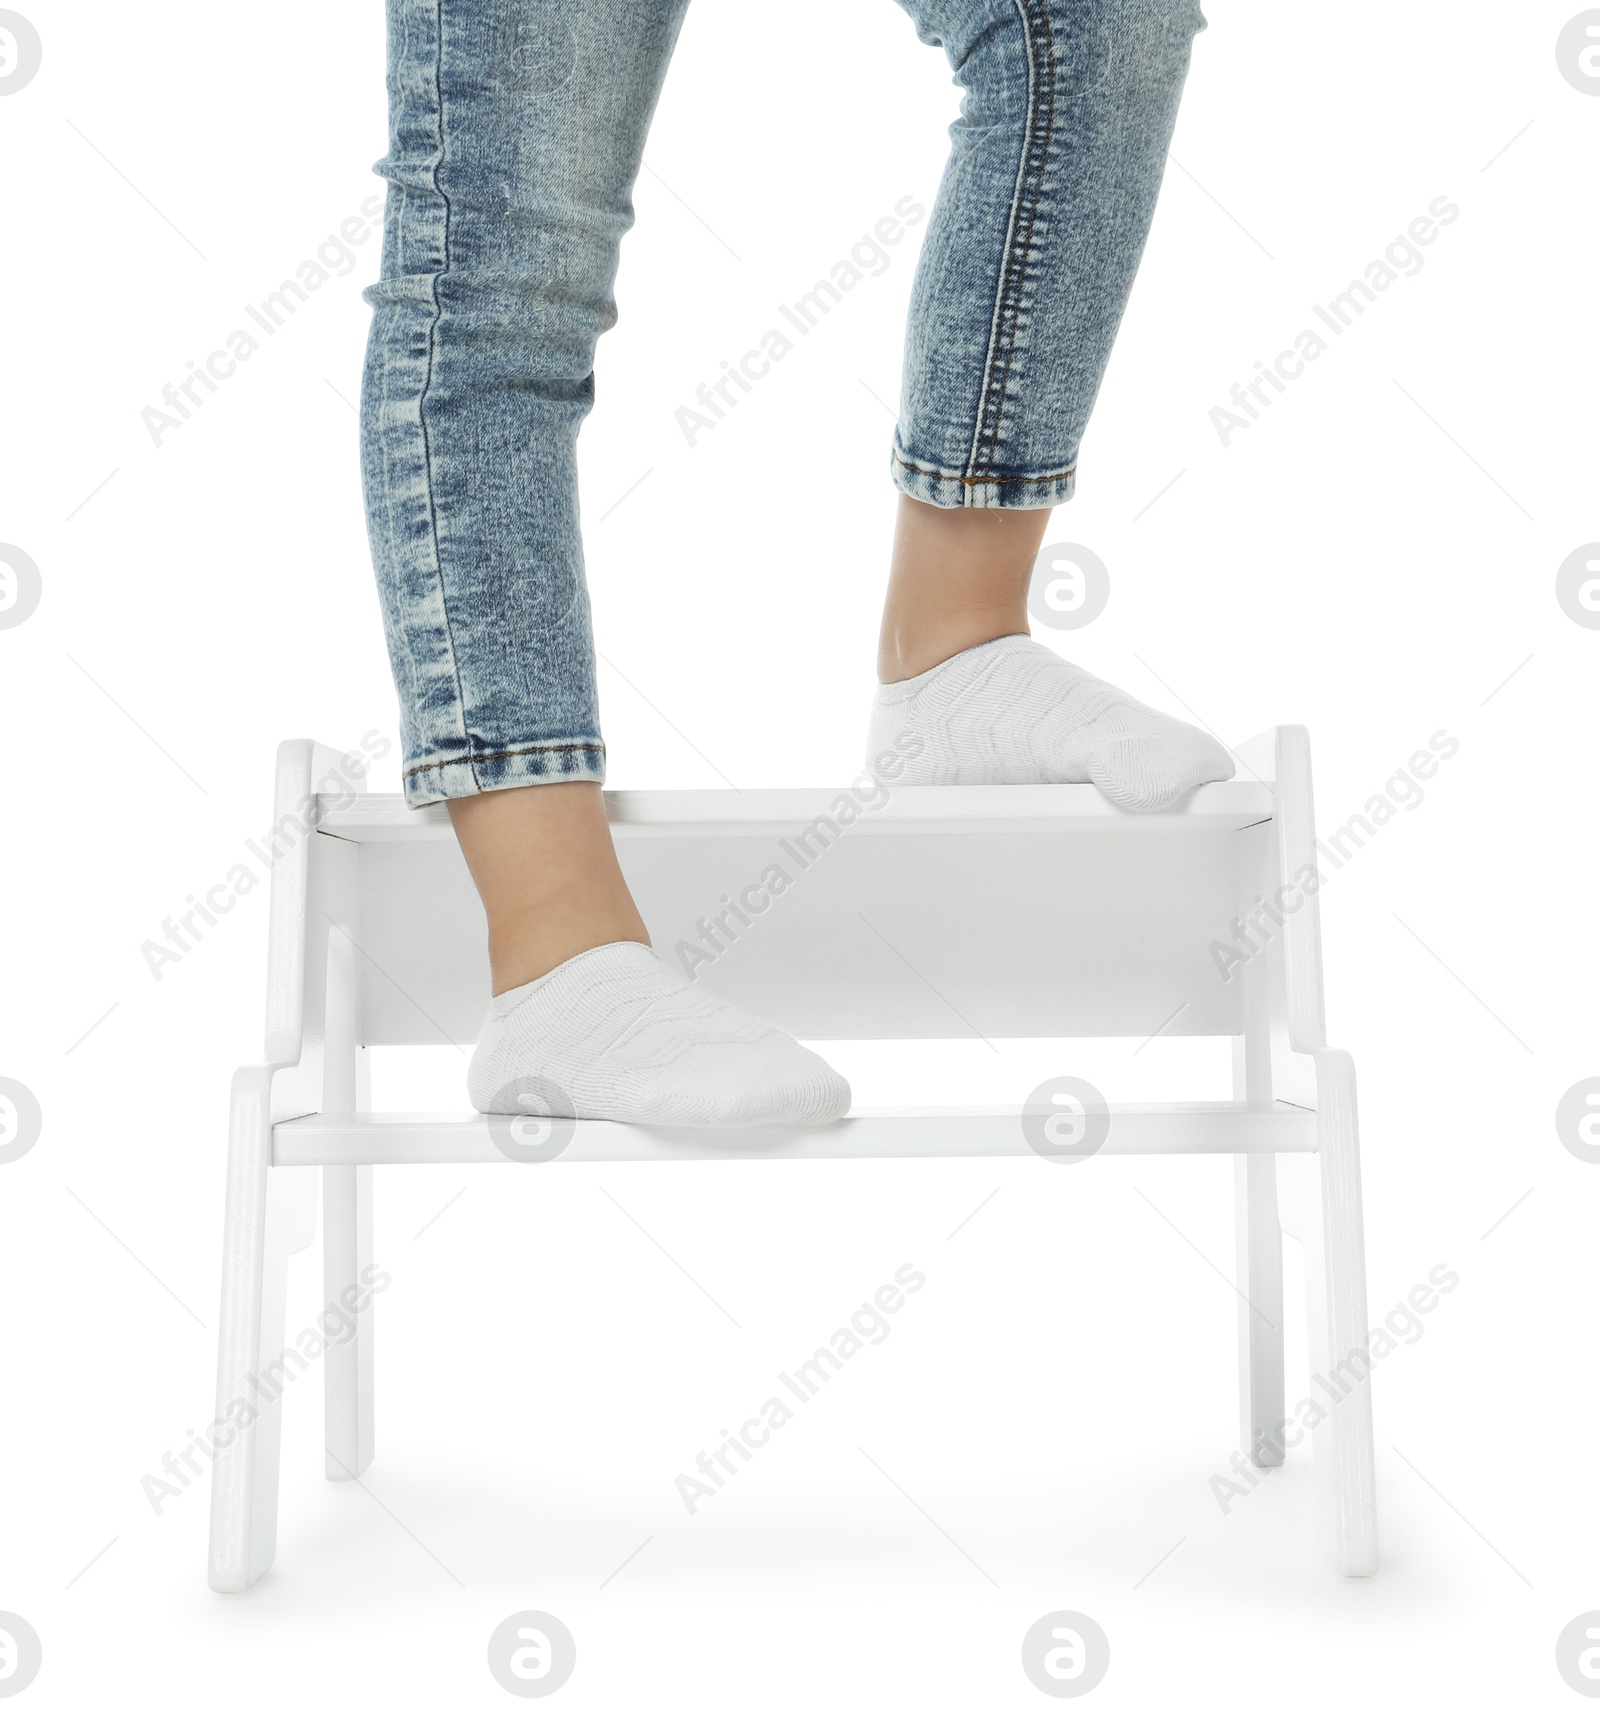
980,492
428,781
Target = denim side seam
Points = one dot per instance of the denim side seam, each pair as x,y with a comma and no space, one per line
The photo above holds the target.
1016,267
427,383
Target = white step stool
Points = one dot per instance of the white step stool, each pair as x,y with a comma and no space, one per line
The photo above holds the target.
1042,911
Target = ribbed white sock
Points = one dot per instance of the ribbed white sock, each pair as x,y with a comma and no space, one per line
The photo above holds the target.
627,1038
1012,711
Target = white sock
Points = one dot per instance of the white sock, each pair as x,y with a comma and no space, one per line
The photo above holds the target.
1012,711
627,1038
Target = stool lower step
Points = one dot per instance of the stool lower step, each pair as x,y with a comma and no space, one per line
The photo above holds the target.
982,1131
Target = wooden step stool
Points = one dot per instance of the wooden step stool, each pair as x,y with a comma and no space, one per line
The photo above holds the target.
1041,912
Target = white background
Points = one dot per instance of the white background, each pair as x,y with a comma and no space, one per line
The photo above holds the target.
1373,559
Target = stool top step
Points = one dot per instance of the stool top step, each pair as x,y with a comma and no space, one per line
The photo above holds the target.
1010,808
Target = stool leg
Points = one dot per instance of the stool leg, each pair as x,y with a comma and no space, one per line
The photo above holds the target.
347,1374
1321,1204
268,1216
1258,1239
1259,1243
1336,1288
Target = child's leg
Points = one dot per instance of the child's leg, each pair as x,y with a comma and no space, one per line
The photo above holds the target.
957,578
1030,254
516,133
547,871
1034,238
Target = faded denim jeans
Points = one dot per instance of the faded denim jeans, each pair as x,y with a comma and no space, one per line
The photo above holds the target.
516,130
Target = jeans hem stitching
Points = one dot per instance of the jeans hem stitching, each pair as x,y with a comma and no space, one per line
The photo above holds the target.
989,479
506,754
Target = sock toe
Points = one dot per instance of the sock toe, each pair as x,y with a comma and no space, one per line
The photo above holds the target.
773,1083
778,1083
809,1094
1146,773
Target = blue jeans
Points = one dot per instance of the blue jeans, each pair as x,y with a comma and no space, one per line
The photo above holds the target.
516,130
